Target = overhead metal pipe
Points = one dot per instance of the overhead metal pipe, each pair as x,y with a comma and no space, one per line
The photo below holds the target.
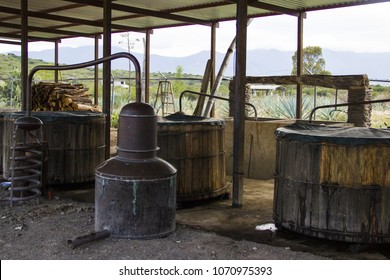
131,57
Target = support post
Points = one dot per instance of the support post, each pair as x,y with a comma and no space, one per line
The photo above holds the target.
239,104
213,54
24,53
56,60
213,57
107,72
298,113
96,72
147,65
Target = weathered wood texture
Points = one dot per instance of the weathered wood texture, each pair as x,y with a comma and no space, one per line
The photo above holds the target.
197,151
355,166
61,97
1,140
203,89
75,144
336,192
330,81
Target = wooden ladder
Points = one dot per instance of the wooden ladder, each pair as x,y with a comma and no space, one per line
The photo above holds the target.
165,94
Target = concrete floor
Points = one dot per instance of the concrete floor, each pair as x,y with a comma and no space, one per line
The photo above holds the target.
239,223
217,215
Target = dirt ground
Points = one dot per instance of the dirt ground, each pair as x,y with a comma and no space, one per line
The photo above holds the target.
204,231
41,231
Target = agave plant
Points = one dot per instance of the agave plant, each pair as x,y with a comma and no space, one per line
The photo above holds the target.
331,113
276,106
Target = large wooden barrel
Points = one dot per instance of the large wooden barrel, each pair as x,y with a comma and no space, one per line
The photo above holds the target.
333,182
195,146
75,144
1,140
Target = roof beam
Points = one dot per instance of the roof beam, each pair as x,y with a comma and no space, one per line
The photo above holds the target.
52,30
345,5
146,12
270,7
77,21
31,38
73,6
10,42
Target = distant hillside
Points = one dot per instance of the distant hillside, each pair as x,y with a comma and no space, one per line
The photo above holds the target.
259,62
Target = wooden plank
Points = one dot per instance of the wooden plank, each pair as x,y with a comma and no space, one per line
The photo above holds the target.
195,149
330,81
203,89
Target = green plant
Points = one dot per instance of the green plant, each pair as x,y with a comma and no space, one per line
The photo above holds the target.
115,119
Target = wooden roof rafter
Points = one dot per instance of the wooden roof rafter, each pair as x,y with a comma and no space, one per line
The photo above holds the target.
270,7
64,18
144,12
77,21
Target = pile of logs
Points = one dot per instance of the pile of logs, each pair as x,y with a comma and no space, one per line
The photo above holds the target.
61,97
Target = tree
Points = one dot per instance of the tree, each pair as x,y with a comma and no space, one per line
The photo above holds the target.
10,90
178,84
313,62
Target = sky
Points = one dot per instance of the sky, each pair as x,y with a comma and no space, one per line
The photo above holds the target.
358,29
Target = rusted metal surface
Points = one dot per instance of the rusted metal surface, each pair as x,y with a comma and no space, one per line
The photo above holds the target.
85,239
135,209
333,186
26,161
137,131
135,191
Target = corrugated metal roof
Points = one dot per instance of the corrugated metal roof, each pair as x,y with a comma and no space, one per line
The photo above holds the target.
57,19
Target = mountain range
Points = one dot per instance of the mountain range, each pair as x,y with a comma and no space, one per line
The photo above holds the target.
260,62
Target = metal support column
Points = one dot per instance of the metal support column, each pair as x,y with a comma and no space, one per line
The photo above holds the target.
107,72
239,104
213,58
56,59
24,52
147,65
96,72
298,113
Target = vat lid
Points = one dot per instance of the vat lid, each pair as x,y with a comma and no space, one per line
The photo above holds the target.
314,133
180,118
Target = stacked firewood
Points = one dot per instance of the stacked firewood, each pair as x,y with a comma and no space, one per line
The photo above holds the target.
61,97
